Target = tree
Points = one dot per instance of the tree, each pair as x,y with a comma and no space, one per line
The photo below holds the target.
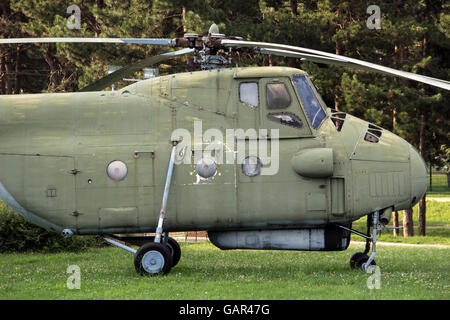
415,37
408,224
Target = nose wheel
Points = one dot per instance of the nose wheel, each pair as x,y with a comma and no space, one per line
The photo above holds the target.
361,260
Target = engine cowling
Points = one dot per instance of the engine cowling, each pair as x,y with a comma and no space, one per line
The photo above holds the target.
314,163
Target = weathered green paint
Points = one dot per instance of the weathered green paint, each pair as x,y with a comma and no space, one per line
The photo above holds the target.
44,137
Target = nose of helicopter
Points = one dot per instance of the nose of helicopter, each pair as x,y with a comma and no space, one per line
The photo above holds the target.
419,176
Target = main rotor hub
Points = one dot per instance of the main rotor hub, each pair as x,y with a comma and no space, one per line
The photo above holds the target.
209,51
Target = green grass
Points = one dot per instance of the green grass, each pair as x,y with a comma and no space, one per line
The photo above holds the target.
439,187
433,236
206,272
438,214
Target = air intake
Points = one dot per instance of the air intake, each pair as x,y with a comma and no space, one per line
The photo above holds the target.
373,134
338,119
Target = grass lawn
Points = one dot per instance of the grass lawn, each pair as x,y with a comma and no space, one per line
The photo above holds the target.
438,215
205,272
439,187
433,236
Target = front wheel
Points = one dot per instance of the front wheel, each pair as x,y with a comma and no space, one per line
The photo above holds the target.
153,259
358,259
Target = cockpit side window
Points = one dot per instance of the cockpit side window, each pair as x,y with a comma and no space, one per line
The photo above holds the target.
248,93
309,100
277,96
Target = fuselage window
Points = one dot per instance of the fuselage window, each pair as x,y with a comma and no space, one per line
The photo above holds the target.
310,101
248,93
277,96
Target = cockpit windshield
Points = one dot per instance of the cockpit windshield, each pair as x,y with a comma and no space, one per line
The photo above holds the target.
309,101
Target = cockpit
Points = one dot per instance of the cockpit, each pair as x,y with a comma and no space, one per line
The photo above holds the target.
290,104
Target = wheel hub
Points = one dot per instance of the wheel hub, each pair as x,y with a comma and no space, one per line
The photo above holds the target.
152,262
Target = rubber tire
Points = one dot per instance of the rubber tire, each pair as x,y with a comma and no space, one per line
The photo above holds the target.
175,250
358,259
153,246
354,260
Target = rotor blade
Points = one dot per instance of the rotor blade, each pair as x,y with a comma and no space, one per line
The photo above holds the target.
163,42
312,58
131,68
303,56
330,58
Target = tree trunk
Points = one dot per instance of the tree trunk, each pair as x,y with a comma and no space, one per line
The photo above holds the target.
408,225
293,4
422,205
336,101
338,76
8,71
2,75
395,224
53,68
422,216
17,73
183,18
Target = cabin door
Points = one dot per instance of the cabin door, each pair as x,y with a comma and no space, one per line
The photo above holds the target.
269,191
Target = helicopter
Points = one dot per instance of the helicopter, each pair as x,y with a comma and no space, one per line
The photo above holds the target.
252,155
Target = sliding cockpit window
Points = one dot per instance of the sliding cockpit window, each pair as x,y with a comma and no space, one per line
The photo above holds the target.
309,100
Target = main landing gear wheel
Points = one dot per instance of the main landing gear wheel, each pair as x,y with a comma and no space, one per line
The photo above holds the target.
153,259
175,250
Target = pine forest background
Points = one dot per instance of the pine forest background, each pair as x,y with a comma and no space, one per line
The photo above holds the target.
414,37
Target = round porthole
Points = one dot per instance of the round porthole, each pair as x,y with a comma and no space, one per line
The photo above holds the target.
251,166
117,170
206,167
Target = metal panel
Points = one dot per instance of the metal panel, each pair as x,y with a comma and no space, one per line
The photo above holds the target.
117,217
50,174
337,196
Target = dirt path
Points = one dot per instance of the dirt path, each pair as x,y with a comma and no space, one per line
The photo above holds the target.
394,244
441,199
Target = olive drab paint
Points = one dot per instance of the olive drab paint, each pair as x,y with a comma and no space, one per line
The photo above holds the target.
55,150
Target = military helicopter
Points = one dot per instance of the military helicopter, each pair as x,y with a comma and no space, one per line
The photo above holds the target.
150,156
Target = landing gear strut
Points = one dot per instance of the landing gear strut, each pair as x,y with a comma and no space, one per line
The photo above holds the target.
162,253
151,258
361,260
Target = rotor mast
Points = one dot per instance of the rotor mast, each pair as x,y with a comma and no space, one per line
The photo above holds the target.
209,52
